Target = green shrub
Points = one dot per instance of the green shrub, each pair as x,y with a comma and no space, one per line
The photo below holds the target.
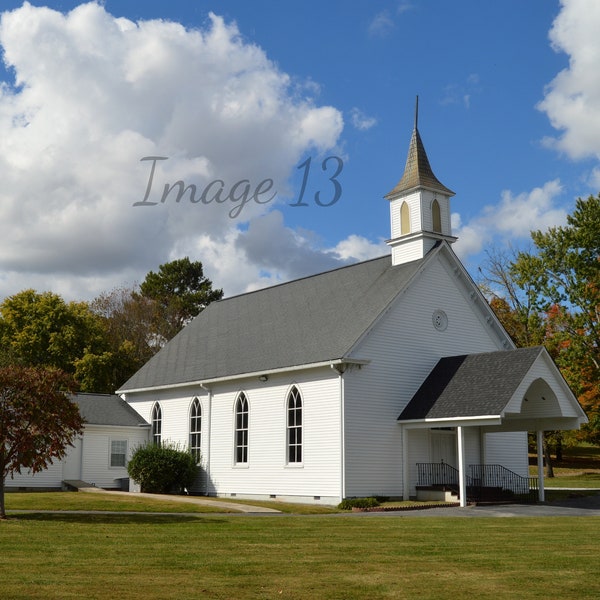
350,503
162,469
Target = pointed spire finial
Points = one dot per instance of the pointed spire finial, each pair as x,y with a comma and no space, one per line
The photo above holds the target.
417,112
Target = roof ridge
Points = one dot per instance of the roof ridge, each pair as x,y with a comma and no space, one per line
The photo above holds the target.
304,277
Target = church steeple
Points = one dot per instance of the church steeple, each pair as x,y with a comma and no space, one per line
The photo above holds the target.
417,171
419,205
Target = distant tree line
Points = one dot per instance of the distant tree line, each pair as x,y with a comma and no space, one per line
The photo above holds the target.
103,342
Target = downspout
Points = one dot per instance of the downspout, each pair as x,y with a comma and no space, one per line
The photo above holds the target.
340,368
208,432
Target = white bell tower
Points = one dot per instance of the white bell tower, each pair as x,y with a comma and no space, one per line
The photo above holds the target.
419,206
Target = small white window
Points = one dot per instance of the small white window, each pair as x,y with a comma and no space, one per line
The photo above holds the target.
404,219
436,217
118,453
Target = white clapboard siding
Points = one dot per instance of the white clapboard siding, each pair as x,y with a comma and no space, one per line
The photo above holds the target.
95,458
88,460
402,349
508,449
50,478
267,473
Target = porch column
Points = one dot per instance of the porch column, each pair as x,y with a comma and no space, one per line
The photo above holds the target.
540,466
462,475
405,473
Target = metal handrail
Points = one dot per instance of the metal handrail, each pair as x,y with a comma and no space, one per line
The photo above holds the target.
490,482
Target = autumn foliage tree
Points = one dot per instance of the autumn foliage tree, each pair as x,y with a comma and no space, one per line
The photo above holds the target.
37,420
551,295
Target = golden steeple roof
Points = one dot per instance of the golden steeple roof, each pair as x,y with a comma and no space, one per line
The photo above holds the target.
417,171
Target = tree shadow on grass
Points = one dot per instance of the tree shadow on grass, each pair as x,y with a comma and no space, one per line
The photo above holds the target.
106,518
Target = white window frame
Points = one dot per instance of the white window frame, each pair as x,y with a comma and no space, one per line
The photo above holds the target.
241,430
195,422
156,423
294,434
112,453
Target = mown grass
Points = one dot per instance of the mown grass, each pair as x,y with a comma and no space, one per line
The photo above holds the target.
301,558
70,501
579,468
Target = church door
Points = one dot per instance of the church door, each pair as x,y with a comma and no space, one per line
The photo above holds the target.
443,446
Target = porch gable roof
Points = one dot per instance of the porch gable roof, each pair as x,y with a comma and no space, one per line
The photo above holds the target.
484,386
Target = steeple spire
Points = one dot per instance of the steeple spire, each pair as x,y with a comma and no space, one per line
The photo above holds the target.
417,171
417,112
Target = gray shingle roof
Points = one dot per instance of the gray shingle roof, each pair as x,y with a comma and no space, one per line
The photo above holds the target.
471,385
309,320
417,171
107,409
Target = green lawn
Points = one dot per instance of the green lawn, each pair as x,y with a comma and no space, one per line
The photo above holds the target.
305,557
302,558
579,468
131,502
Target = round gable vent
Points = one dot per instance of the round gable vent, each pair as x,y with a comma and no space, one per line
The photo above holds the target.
439,320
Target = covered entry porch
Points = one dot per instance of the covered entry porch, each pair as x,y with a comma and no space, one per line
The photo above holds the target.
481,401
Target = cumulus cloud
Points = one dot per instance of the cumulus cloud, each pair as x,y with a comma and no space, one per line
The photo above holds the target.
513,218
572,99
92,95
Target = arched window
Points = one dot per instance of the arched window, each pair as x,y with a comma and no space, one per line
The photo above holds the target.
196,429
436,217
241,430
294,426
404,219
156,424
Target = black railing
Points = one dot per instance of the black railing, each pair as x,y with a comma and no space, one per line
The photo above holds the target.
511,485
439,475
484,482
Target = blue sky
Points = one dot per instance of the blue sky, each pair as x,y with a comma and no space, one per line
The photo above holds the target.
509,112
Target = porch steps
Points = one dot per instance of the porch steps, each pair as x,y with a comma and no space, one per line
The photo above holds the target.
436,493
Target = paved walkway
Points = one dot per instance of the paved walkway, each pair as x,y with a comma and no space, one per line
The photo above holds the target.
576,506
243,508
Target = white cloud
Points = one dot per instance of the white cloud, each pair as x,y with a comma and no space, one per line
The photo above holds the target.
93,95
572,99
512,219
461,93
357,248
361,121
381,25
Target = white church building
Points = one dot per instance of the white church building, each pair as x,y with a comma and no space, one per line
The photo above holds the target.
369,379
380,378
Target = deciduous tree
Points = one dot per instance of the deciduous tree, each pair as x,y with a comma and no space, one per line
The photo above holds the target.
41,329
37,420
551,295
564,274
